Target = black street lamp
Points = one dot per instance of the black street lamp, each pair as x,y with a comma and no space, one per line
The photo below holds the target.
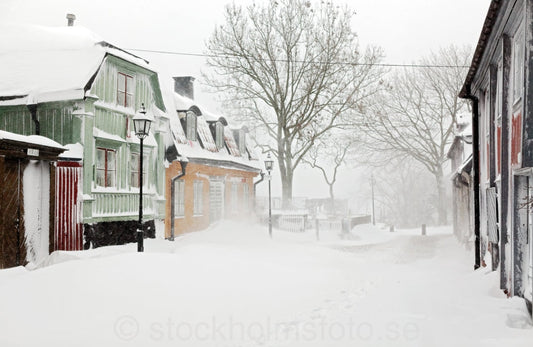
269,165
141,125
372,182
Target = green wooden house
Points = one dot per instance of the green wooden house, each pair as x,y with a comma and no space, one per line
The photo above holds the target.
82,92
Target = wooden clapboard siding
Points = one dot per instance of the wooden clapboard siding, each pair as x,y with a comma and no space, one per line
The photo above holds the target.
16,119
105,84
121,202
68,230
111,122
99,110
56,122
121,205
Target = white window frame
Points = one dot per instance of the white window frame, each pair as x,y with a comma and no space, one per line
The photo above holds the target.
179,198
487,122
518,64
127,90
198,186
219,135
498,106
499,93
134,171
191,122
242,142
110,173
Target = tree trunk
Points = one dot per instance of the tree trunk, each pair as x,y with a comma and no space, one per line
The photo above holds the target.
286,188
286,170
441,195
332,198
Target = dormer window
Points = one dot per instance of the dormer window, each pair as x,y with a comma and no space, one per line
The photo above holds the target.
124,90
191,124
219,135
242,141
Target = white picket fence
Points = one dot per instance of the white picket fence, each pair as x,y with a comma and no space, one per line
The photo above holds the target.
293,223
300,221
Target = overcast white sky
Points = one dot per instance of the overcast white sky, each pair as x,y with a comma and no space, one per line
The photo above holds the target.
406,30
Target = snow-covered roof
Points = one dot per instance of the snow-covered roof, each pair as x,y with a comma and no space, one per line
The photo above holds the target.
74,151
31,139
465,167
183,103
193,149
467,131
40,64
464,118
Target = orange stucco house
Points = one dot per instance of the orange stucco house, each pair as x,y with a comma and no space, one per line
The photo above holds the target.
211,167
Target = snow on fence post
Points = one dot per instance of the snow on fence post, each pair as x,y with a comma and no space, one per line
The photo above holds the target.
423,229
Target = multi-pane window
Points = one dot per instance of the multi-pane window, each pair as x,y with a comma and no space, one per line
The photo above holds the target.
179,198
230,142
198,197
219,135
234,196
518,64
205,135
498,112
124,90
487,130
499,93
191,126
106,167
135,164
245,196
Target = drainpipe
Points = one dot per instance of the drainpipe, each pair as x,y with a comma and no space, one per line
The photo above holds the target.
476,168
255,188
172,202
33,111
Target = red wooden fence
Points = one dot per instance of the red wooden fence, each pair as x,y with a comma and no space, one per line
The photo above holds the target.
68,231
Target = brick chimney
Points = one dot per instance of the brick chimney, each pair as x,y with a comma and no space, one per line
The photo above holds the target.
184,86
71,18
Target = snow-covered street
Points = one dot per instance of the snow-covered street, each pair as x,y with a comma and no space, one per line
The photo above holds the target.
233,286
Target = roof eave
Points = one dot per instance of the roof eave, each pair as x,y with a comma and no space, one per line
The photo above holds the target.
488,26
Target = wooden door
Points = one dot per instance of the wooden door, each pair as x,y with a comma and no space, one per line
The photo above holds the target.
12,242
68,228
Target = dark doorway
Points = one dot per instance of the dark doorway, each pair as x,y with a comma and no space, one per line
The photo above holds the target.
12,242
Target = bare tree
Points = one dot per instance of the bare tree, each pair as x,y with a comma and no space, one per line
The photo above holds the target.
405,193
292,69
329,156
415,116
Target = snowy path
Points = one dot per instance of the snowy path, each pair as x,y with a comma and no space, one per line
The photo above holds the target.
232,286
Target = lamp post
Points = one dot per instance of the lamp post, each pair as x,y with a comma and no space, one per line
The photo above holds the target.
141,125
372,182
269,165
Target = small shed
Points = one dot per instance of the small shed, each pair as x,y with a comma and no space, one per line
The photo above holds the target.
26,197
